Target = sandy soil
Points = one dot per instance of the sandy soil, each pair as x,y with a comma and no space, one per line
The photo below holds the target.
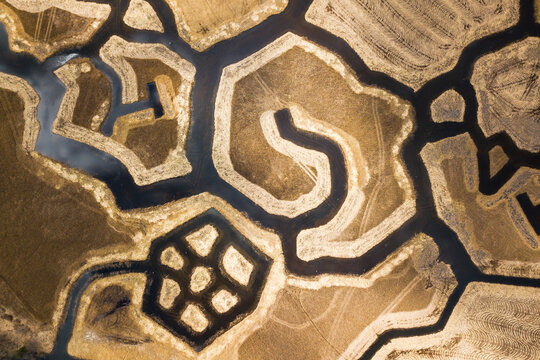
493,228
49,226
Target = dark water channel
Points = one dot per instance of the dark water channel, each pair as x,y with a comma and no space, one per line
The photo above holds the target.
204,178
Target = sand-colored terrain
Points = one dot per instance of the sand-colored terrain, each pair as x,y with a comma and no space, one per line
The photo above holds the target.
201,277
497,160
112,325
140,15
413,40
168,293
494,229
309,318
18,327
490,321
324,98
144,226
94,101
314,320
449,106
121,235
204,23
202,240
49,226
508,93
103,345
151,148
43,27
116,327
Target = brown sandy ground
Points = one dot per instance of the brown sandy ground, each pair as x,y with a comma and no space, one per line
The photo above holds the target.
301,76
153,142
490,321
204,23
449,106
19,328
150,139
309,319
256,93
342,321
508,93
412,40
493,228
165,219
324,97
497,160
113,327
151,148
48,225
140,15
94,101
43,27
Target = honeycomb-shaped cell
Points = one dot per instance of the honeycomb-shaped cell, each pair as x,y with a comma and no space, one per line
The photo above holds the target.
205,276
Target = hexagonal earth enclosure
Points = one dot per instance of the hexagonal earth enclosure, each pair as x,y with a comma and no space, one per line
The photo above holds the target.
205,277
